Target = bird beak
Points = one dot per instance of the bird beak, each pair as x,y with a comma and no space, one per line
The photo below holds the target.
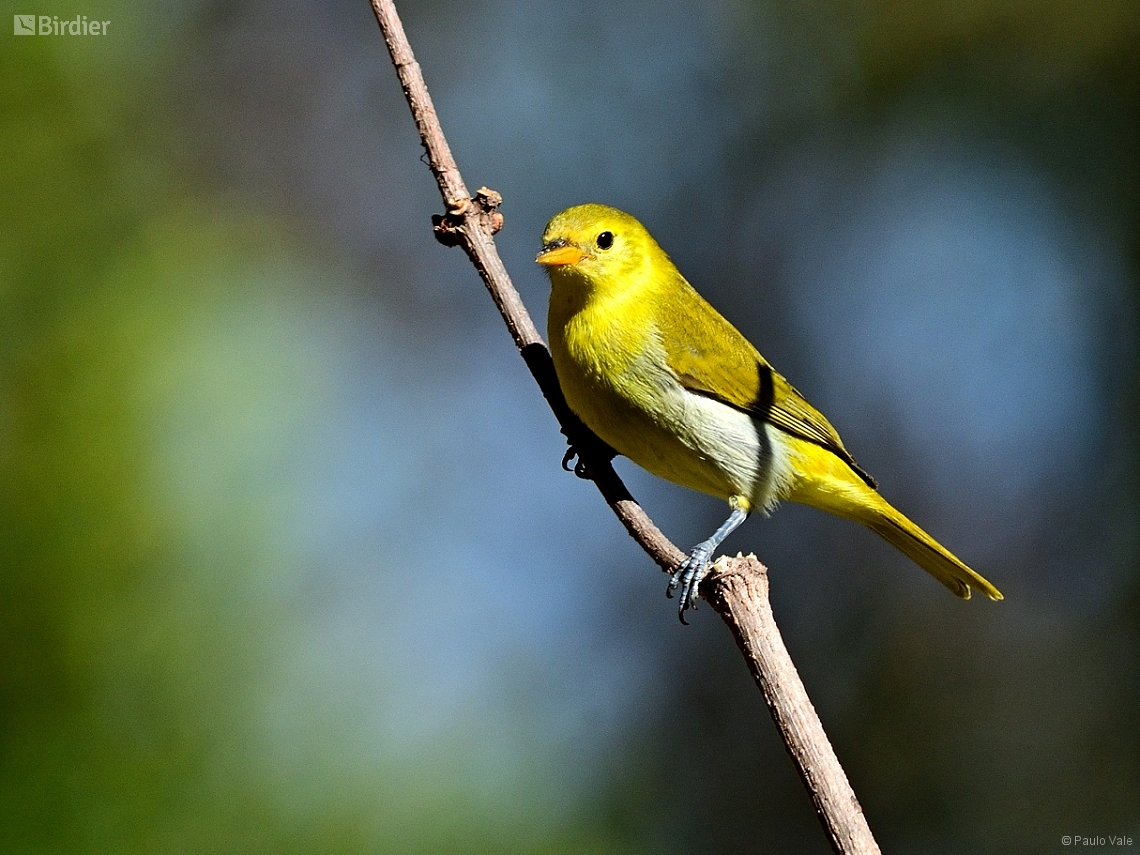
559,253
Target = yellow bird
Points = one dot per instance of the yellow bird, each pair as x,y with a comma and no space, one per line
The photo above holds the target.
657,373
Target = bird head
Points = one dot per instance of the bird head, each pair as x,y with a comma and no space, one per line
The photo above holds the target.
598,245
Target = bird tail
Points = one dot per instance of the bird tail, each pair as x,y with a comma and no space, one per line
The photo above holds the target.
891,525
825,481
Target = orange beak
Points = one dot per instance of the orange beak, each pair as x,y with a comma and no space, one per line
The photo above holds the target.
559,255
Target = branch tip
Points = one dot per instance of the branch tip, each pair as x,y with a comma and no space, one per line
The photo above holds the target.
450,228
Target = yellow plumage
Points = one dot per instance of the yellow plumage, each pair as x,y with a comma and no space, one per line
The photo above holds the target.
648,365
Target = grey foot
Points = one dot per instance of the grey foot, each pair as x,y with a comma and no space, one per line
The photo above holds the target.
688,578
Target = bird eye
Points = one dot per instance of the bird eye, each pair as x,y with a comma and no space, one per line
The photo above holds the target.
605,240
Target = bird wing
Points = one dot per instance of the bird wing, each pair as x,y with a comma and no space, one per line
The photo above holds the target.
734,373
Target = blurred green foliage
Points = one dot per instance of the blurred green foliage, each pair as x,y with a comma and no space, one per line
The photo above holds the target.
126,654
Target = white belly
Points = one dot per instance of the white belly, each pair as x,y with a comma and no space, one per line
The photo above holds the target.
697,442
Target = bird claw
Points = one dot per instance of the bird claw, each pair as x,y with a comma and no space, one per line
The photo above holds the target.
579,468
688,578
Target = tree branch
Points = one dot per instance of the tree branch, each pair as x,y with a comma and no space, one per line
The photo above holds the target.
737,587
738,590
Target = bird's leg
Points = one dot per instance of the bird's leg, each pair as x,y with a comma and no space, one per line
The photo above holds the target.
696,566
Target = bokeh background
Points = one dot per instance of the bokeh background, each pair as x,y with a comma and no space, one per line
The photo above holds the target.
287,561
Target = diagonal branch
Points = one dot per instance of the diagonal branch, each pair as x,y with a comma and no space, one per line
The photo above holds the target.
738,587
